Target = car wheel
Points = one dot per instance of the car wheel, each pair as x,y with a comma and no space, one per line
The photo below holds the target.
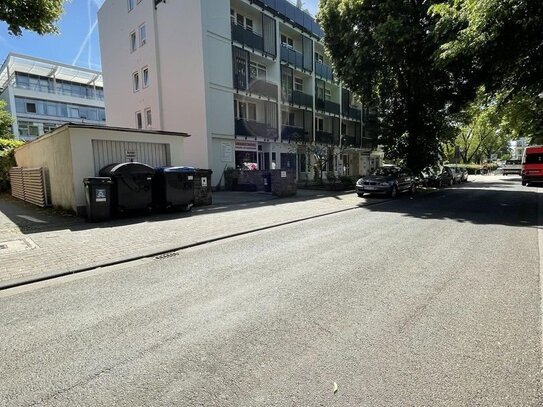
451,182
524,183
394,191
360,194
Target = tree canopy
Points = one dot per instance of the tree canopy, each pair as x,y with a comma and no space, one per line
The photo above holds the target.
5,121
39,16
384,51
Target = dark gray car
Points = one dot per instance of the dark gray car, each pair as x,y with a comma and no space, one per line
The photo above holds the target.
389,180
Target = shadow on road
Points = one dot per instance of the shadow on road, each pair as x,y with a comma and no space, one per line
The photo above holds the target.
501,202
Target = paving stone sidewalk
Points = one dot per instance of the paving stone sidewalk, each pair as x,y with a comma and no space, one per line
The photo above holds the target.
37,242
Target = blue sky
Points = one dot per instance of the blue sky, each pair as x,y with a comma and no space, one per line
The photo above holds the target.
77,42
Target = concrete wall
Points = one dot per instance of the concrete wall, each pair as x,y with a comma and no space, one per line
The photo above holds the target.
54,153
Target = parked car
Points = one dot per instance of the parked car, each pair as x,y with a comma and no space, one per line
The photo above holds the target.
532,165
447,176
430,177
389,180
457,174
512,167
464,174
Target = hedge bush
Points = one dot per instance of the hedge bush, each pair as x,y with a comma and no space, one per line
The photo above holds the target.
7,160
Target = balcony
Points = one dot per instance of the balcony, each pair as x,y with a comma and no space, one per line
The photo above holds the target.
250,128
294,133
350,141
257,86
352,113
299,98
327,106
324,137
324,71
247,37
293,57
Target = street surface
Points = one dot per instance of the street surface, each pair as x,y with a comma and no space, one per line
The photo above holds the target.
432,301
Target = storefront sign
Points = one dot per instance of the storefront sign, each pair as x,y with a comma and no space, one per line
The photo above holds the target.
246,146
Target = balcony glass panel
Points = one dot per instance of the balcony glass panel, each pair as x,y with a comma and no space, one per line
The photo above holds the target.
324,137
246,37
293,57
324,71
294,133
251,128
263,88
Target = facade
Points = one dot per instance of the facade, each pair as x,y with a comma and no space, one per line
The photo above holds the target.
517,148
42,95
249,80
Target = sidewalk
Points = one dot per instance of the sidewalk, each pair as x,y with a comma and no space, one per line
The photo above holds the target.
37,242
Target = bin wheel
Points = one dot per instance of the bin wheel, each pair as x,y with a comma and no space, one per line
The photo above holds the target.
188,207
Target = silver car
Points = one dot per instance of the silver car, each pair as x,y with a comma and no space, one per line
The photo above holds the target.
389,180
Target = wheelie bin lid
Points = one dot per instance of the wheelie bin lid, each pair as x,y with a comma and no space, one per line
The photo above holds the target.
184,170
126,168
97,180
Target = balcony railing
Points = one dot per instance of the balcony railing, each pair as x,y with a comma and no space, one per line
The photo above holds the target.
324,137
324,71
351,112
298,98
247,37
350,141
294,133
252,128
263,88
292,57
98,95
327,106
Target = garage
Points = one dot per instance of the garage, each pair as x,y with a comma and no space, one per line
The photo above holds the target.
107,152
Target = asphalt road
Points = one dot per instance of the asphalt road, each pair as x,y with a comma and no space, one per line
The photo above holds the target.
427,301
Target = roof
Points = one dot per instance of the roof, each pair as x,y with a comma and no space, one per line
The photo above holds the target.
43,67
127,129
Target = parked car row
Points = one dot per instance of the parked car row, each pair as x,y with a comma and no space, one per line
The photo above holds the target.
441,177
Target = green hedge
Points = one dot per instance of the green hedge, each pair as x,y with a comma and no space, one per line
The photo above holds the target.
7,160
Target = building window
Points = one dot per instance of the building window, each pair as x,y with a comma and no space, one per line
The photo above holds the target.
74,112
133,43
251,110
136,81
244,110
319,123
257,71
287,41
143,35
327,94
148,118
139,120
145,77
130,5
248,24
319,58
299,84
31,108
232,16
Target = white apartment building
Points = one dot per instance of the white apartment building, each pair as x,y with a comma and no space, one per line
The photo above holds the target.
248,79
42,95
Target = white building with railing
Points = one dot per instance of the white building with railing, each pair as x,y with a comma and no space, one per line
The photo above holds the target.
41,95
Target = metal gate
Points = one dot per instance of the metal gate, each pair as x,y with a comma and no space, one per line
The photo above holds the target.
107,152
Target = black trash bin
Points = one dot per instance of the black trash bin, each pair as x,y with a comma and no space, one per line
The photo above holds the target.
98,194
132,186
173,187
202,187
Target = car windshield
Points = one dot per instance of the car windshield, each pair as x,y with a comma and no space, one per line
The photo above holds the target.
386,171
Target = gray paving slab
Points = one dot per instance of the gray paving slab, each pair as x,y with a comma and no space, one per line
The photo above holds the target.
49,242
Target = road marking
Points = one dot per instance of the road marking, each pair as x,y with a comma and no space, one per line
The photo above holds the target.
31,219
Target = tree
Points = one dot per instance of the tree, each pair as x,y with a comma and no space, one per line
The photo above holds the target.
384,51
40,16
499,42
5,122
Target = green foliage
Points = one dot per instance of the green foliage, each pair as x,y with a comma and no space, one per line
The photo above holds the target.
384,51
496,43
39,16
7,160
5,121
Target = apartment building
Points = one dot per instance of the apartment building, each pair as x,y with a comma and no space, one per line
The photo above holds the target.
42,95
249,80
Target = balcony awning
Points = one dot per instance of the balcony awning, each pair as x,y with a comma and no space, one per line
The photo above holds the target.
42,67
